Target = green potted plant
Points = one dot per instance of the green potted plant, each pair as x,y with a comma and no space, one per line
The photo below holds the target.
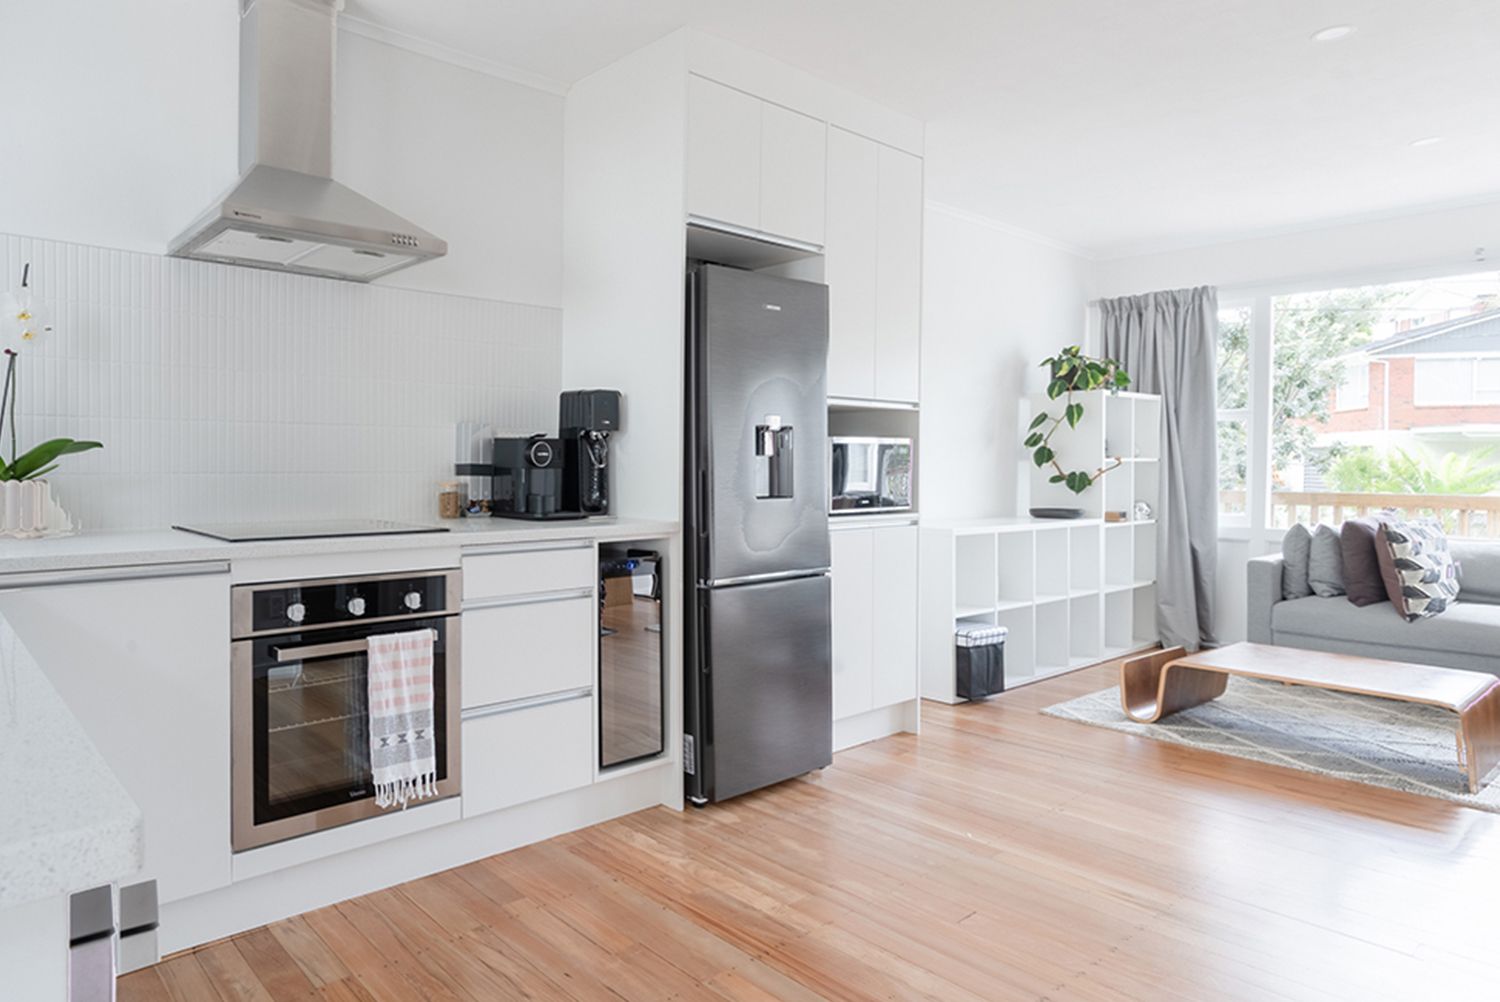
26,505
1072,372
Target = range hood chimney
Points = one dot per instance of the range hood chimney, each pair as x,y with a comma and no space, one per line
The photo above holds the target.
285,212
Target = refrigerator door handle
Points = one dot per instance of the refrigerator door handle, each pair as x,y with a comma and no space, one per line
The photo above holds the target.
810,572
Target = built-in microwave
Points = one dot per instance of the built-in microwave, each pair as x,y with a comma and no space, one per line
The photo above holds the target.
868,475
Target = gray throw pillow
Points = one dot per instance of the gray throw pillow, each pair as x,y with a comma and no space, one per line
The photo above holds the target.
1296,547
1325,563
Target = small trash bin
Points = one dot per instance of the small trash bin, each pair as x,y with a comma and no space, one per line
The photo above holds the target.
980,650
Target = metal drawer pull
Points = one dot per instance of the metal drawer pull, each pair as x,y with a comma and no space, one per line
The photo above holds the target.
549,596
99,575
327,650
529,703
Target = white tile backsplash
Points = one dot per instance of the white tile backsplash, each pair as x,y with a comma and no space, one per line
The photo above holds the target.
225,393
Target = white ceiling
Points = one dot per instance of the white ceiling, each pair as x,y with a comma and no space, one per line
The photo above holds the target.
1114,126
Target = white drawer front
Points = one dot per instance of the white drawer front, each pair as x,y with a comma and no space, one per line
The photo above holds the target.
517,755
528,648
521,572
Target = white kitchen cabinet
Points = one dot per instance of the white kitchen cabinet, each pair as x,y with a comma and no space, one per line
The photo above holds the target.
898,275
853,563
893,666
850,262
793,174
723,153
874,618
873,267
514,754
527,646
143,664
529,569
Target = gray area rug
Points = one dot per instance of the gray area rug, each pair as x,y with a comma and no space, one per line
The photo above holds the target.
1376,741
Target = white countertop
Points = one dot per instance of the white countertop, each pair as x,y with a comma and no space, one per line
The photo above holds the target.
66,823
172,546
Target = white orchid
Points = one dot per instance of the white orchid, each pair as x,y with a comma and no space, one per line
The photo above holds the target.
20,320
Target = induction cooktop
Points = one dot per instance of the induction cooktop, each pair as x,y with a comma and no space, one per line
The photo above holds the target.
259,532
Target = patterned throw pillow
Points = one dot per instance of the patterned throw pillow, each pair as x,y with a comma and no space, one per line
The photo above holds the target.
1420,575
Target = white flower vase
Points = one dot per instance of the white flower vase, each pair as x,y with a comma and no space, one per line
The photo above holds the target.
29,511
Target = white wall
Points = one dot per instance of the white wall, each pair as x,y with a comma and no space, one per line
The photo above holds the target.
626,248
225,393
994,303
120,125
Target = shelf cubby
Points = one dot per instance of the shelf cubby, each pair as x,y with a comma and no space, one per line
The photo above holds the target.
1020,645
1085,559
974,575
1119,555
1119,620
1052,563
1143,615
1145,551
1051,637
1085,630
1015,566
1147,437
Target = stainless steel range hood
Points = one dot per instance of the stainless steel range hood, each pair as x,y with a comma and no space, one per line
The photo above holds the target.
286,212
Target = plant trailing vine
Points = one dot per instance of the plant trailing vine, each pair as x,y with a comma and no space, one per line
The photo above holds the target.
1072,372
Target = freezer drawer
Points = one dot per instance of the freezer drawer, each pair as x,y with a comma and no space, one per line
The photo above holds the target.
526,752
522,648
769,683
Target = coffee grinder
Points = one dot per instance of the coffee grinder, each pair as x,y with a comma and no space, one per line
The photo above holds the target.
586,418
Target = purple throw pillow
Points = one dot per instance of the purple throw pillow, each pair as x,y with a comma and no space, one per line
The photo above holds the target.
1362,579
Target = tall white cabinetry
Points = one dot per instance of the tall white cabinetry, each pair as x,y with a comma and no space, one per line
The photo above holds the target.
873,268
874,617
754,165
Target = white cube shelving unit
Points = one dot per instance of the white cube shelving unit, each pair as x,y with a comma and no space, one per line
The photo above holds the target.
1071,592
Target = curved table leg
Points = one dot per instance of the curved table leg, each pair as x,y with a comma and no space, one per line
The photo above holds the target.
1479,733
1153,685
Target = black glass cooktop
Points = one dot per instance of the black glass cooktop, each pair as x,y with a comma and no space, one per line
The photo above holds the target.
257,532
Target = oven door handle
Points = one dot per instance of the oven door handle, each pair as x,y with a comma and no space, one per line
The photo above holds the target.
326,650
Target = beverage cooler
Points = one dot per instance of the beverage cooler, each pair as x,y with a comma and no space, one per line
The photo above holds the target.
632,720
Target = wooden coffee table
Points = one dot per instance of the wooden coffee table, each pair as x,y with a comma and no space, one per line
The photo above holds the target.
1163,682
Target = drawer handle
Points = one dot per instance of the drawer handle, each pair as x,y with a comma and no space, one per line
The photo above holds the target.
509,548
528,703
549,596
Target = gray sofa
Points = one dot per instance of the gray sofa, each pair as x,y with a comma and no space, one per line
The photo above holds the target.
1467,635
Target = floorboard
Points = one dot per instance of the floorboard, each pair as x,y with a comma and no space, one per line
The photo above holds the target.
1001,855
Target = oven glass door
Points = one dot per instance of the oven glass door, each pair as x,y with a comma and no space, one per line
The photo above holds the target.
309,725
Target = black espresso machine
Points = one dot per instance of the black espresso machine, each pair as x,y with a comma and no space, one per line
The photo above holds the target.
558,478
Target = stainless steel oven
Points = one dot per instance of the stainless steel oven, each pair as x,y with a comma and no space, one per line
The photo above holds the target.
299,700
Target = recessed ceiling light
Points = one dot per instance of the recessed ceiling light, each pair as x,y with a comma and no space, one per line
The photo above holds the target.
1333,33
1427,141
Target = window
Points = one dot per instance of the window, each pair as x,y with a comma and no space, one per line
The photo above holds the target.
1353,393
1234,412
1366,386
1456,382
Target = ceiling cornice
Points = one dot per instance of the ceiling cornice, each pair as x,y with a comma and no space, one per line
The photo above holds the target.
454,57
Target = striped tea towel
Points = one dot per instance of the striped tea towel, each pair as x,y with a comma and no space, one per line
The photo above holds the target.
403,748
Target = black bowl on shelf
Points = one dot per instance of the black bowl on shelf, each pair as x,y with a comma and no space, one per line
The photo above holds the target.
1056,513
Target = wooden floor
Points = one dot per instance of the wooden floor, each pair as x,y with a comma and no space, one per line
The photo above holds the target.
1003,855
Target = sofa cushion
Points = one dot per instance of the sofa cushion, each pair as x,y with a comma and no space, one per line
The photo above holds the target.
1296,548
1467,627
1478,568
1325,563
1420,576
1362,579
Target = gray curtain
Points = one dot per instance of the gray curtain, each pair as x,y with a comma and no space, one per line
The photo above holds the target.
1168,341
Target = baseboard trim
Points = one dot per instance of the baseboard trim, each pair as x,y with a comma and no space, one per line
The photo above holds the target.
878,723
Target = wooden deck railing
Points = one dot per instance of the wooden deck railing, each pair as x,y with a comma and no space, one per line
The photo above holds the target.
1460,514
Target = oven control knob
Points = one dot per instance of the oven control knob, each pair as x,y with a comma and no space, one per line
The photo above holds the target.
412,600
296,612
356,606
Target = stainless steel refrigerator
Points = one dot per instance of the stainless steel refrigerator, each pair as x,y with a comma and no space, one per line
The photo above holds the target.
759,677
